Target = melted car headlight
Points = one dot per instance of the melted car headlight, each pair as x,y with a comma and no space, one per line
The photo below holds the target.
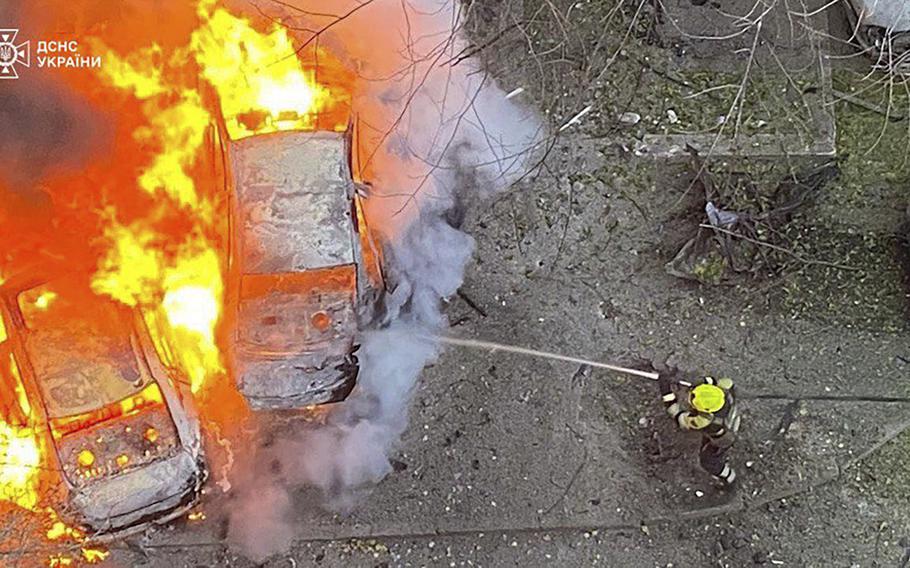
85,459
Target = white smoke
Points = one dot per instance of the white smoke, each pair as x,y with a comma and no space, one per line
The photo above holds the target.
439,134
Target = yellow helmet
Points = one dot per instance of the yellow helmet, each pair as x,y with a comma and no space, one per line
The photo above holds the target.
706,398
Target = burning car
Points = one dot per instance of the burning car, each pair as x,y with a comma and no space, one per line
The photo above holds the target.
120,428
305,270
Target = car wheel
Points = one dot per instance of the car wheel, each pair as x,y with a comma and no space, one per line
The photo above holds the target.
348,371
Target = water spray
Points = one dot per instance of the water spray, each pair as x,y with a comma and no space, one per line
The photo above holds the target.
492,347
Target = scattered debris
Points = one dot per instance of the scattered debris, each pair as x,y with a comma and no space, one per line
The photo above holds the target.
515,92
791,413
471,303
629,118
581,374
719,217
577,118
749,238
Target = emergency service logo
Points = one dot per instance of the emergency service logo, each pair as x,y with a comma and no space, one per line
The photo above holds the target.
12,54
55,54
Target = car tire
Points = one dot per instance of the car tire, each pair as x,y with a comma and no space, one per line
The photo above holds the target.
349,371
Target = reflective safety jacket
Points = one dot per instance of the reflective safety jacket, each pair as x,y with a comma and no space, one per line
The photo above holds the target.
720,427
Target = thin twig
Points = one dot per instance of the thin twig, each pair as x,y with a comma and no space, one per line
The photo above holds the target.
473,305
780,249
847,97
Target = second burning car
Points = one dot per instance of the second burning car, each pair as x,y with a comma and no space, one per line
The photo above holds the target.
121,428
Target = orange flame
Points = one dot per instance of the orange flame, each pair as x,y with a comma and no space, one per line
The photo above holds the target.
61,531
184,285
150,211
262,87
94,555
150,268
260,82
20,458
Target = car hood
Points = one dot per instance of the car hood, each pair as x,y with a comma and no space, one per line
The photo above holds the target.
115,502
126,438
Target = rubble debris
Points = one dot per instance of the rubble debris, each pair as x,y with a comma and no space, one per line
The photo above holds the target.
515,92
577,118
580,374
745,230
629,118
790,414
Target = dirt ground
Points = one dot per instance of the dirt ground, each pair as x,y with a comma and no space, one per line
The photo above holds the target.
515,461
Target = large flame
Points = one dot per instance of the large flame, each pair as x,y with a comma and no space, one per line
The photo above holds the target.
146,265
145,222
180,280
261,84
20,455
20,460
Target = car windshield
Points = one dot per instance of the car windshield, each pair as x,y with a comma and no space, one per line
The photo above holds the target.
81,349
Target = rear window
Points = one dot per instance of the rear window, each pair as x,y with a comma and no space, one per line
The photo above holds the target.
81,348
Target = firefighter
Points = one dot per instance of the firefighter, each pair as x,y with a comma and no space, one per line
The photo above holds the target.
708,406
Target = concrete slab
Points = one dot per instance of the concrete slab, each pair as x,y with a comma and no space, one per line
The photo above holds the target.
761,57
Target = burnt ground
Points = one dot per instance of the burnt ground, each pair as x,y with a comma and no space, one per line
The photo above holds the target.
516,461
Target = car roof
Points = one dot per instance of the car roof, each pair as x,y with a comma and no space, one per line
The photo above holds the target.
293,194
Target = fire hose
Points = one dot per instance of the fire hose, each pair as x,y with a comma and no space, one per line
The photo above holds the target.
493,347
489,345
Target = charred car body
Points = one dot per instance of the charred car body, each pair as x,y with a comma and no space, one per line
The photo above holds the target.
120,427
305,270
